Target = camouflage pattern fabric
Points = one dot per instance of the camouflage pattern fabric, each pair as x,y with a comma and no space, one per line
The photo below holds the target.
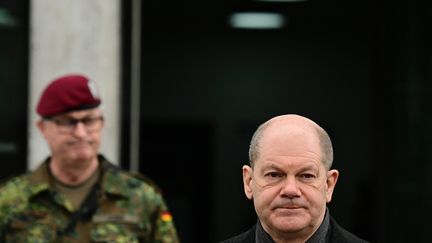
129,208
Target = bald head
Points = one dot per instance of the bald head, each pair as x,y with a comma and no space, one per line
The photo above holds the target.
285,126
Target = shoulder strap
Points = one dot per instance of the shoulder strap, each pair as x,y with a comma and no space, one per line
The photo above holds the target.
85,212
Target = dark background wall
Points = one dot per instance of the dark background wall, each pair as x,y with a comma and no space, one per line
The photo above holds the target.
402,71
14,32
206,87
360,69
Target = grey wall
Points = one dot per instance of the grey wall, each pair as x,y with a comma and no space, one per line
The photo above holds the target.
75,37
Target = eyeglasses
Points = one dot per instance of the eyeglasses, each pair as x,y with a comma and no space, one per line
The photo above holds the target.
92,124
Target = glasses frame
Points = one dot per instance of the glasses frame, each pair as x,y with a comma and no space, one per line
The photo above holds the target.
68,125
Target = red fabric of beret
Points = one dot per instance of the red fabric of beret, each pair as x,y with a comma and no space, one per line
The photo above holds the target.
68,93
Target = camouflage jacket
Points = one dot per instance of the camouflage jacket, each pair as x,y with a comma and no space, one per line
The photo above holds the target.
124,208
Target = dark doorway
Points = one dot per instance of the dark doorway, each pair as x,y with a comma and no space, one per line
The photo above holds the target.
178,156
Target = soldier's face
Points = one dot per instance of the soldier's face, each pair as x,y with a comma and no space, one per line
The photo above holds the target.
72,143
288,184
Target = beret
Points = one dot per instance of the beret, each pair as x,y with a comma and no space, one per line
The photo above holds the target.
68,93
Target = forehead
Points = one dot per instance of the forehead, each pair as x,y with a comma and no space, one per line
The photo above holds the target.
297,142
80,114
289,164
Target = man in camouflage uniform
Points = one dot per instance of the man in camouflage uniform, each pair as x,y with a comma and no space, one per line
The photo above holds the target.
76,195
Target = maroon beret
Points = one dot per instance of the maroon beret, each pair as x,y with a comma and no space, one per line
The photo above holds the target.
68,93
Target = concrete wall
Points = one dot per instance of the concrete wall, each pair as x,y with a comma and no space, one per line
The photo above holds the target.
76,36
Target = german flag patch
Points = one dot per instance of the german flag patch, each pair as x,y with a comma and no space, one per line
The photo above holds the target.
166,216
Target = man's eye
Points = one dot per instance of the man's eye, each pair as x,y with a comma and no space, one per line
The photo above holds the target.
274,174
307,176
66,122
88,121
91,120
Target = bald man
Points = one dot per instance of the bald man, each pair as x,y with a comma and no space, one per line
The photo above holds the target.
290,180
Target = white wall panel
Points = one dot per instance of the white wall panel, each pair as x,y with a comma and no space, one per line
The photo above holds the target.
75,36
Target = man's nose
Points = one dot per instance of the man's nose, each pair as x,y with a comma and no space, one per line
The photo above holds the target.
290,187
80,129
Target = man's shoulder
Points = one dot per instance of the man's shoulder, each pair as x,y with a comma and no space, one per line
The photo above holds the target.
341,235
245,237
14,195
138,180
128,182
13,187
17,190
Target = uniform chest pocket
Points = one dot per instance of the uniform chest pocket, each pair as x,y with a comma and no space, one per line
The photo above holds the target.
31,228
116,228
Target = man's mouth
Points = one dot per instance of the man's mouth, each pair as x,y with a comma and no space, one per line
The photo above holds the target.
79,144
288,210
291,207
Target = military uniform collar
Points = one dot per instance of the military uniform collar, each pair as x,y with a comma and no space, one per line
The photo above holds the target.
113,181
40,179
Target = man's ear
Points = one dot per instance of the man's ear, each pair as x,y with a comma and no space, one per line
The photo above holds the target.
42,126
332,176
247,180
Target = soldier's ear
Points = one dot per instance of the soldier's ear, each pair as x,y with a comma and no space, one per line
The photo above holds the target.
41,126
247,181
